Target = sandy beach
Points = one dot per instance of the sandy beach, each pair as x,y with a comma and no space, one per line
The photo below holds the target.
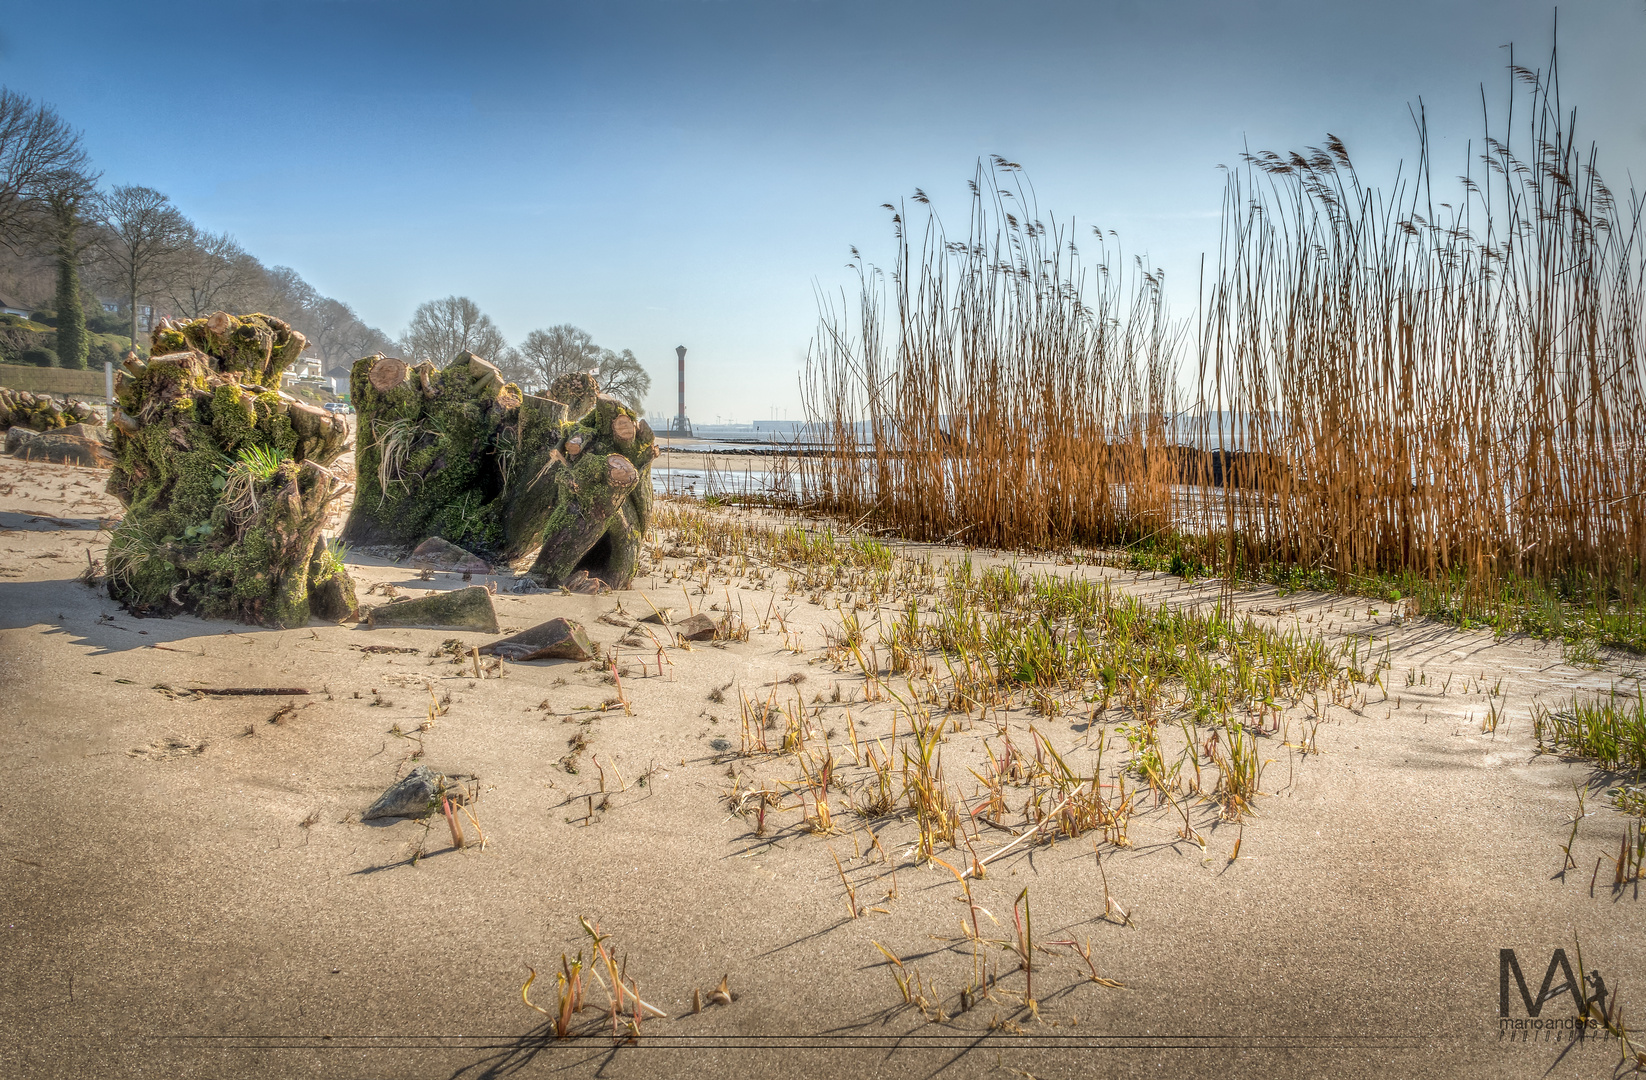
189,890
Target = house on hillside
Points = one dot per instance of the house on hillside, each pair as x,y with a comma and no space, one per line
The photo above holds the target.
307,368
10,306
309,371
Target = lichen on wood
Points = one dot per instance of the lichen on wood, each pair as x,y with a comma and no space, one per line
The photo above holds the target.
225,479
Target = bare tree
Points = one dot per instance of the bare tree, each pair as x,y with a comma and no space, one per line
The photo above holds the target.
546,355
285,295
210,272
338,335
559,350
141,235
37,150
623,378
334,331
515,367
440,329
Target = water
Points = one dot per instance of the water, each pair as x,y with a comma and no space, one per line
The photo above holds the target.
721,481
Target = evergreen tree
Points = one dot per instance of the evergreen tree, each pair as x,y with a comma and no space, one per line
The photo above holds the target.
73,345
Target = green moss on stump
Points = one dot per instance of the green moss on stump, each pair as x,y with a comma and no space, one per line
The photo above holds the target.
561,483
209,527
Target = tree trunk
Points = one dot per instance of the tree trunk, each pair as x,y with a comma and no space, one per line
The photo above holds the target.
591,491
459,454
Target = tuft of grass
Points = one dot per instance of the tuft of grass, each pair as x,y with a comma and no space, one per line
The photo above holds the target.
395,441
1611,730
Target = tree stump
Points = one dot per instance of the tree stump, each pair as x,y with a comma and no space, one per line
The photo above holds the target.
224,479
560,483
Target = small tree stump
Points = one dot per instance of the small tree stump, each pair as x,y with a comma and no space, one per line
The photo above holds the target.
388,373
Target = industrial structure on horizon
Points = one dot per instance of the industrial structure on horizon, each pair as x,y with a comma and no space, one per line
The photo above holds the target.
681,426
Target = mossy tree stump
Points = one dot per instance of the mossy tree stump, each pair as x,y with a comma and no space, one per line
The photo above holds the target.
224,479
560,483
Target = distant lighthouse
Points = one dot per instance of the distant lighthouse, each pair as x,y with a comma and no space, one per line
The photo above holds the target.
681,425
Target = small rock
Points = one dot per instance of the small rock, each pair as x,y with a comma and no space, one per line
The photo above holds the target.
659,617
413,796
557,639
460,609
437,554
333,599
584,585
720,746
697,627
420,791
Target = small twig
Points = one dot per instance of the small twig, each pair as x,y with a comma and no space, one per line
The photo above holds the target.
1047,820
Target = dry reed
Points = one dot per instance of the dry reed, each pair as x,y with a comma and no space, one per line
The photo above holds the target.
1384,382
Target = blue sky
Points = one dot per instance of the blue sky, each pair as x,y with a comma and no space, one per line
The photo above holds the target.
691,171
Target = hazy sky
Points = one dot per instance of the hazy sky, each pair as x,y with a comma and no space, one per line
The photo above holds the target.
691,171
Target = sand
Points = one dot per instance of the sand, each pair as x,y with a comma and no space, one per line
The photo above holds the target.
187,889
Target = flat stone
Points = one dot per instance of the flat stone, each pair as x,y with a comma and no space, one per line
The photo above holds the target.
85,431
557,639
460,609
437,554
697,627
659,617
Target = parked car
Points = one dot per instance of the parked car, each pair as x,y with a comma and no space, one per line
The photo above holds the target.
340,407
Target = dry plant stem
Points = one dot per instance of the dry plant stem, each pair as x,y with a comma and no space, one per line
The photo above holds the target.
617,991
451,823
851,894
468,813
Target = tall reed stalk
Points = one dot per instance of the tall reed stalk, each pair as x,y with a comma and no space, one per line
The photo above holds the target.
1018,400
1384,382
